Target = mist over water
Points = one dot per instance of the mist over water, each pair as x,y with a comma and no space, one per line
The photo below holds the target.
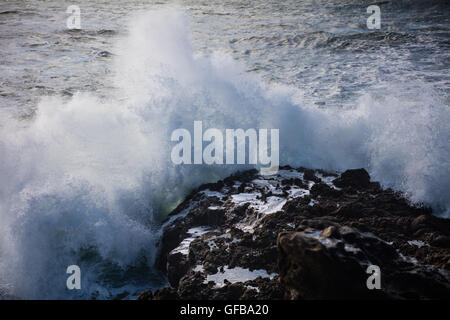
88,178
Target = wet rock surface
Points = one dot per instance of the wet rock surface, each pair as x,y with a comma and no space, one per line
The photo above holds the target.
302,234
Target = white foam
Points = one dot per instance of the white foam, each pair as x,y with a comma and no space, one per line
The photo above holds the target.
418,243
327,180
296,192
210,193
350,248
253,288
328,242
271,185
242,198
194,233
271,205
237,274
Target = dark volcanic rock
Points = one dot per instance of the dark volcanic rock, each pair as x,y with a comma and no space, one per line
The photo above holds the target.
356,178
333,264
311,270
302,234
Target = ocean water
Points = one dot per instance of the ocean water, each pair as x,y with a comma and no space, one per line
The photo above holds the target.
86,117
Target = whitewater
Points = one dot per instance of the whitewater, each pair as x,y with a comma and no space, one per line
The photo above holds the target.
87,179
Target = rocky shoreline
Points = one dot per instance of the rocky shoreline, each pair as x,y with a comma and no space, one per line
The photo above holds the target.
302,234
